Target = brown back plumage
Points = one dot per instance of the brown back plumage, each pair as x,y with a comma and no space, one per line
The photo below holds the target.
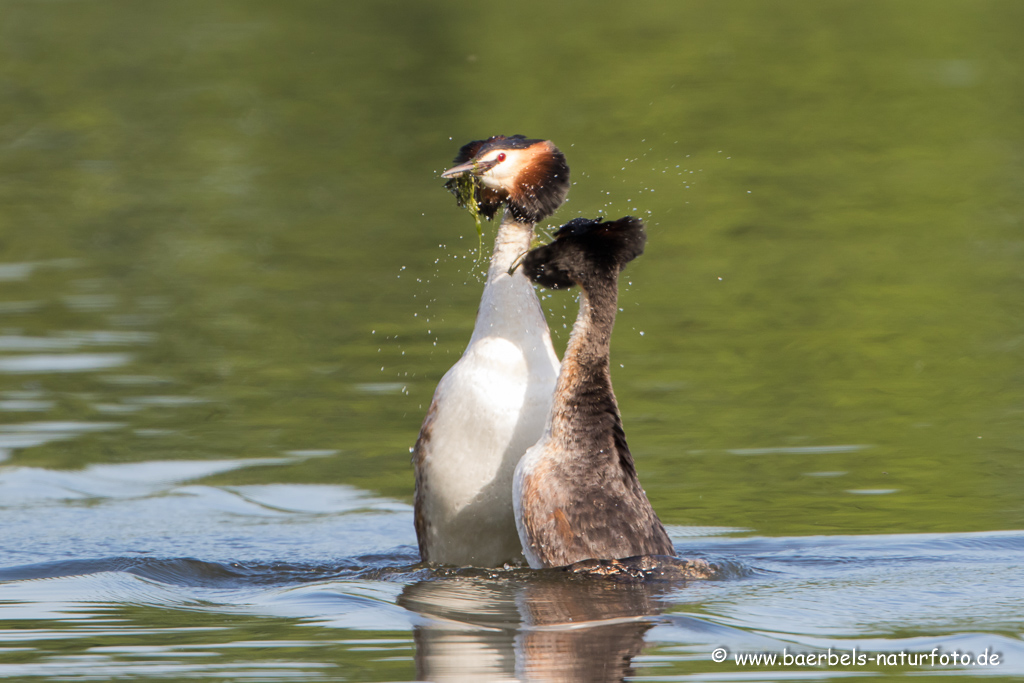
580,498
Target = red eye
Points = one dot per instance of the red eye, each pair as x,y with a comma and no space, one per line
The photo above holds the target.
501,157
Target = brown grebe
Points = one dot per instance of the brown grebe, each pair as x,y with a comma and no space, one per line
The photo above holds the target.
576,493
493,403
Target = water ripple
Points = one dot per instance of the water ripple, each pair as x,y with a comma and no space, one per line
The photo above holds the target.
67,362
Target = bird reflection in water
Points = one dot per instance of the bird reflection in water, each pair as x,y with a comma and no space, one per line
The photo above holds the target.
550,625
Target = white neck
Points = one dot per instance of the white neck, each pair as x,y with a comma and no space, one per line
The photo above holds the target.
509,307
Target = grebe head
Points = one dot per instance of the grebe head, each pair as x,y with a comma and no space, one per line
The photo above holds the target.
584,249
530,176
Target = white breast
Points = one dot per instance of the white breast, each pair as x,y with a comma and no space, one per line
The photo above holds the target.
490,407
524,469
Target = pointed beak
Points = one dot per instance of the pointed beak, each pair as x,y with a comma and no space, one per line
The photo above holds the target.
474,167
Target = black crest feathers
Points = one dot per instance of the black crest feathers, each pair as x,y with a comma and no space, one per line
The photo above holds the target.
535,192
585,247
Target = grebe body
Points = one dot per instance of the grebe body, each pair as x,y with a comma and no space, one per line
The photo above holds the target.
576,493
493,403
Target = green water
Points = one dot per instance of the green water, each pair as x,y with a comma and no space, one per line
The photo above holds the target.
833,282
224,238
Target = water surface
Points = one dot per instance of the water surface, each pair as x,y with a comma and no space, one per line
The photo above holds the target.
230,279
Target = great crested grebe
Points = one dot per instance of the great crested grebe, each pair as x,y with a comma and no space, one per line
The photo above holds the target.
576,493
493,403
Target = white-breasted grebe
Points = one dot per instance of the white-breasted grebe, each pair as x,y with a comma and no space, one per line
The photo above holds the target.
576,493
493,403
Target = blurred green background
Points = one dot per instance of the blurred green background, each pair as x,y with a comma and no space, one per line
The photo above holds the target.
824,336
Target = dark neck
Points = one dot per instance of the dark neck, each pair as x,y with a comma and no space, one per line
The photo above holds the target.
583,395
